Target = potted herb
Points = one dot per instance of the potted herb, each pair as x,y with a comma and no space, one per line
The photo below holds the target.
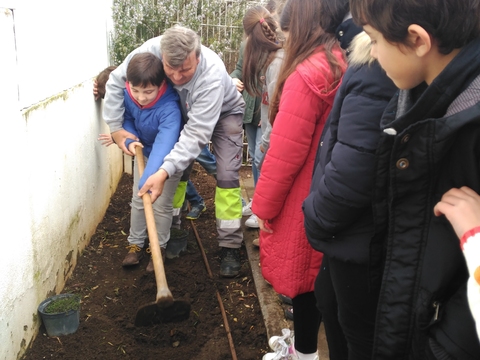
60,314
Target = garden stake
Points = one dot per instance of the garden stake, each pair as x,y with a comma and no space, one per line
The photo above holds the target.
165,308
219,298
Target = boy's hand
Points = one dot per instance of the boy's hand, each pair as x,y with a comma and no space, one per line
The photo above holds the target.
133,145
105,139
154,184
462,209
120,136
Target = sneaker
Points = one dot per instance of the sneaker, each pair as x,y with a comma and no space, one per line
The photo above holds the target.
196,210
291,356
283,347
134,255
247,209
256,242
150,267
287,337
252,222
285,299
230,262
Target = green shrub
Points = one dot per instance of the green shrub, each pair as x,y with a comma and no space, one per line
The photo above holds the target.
218,22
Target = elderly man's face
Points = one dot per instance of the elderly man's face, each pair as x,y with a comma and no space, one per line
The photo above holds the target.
182,74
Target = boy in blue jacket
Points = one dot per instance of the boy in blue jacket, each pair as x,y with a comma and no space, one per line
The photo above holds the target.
152,114
430,143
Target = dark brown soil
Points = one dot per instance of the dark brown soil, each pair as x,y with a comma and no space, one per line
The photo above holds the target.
111,296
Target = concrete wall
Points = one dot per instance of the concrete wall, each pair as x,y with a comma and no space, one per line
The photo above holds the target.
56,179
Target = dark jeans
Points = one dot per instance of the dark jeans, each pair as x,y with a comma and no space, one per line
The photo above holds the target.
306,322
356,304
192,195
207,160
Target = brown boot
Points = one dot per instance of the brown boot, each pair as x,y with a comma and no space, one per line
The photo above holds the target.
150,267
134,255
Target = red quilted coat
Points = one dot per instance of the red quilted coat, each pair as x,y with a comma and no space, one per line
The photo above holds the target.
287,260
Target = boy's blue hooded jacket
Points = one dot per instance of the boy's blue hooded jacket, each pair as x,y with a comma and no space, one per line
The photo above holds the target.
157,125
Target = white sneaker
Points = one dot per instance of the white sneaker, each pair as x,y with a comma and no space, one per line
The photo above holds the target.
292,356
247,209
275,356
283,347
252,222
287,337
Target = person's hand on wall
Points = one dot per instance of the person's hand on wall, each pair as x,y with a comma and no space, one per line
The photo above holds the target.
105,139
95,90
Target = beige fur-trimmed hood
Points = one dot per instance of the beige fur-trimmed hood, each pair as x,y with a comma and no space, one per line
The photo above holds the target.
359,50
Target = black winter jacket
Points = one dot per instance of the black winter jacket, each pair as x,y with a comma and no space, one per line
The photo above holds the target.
425,150
338,210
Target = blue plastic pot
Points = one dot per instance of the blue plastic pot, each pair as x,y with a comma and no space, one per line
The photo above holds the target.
62,323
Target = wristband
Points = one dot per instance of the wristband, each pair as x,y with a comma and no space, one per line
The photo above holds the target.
468,234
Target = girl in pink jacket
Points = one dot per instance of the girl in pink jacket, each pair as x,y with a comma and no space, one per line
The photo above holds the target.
310,76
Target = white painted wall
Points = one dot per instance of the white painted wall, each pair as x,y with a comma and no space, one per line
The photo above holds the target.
56,179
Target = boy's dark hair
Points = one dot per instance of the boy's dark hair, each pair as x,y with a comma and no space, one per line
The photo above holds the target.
145,69
452,23
102,79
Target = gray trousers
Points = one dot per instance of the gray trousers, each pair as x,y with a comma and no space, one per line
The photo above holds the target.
162,210
228,146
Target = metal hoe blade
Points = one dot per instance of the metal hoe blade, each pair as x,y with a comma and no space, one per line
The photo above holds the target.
154,313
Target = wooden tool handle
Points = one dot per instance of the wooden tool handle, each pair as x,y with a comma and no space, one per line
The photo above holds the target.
163,292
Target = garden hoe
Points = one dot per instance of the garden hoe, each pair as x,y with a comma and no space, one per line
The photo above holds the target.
165,308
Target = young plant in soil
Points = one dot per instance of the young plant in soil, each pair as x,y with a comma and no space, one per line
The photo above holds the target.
63,305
